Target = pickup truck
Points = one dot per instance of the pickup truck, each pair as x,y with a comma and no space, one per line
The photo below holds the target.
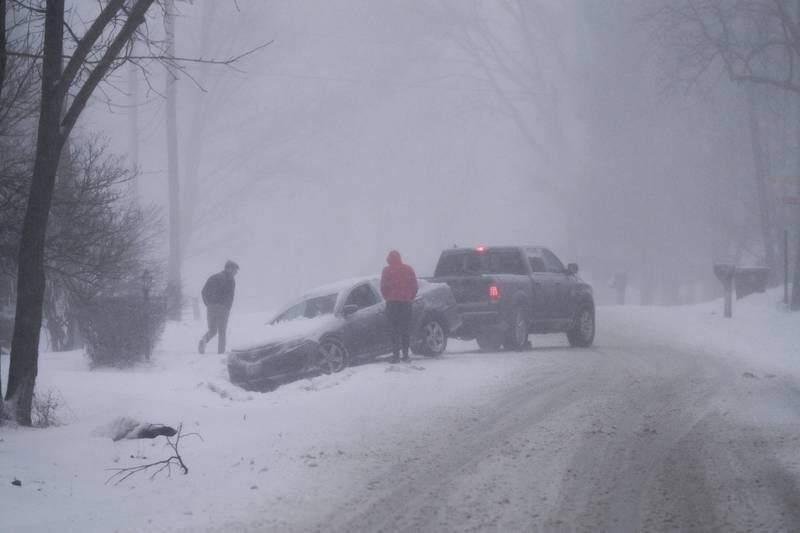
505,293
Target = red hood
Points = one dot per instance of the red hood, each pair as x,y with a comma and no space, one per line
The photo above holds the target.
394,258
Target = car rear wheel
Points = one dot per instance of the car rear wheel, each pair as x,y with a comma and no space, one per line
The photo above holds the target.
517,330
581,334
333,356
434,338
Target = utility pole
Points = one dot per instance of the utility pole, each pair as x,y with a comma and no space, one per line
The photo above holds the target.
133,133
174,261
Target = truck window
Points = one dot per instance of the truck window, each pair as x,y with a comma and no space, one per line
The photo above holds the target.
551,262
537,264
464,263
505,262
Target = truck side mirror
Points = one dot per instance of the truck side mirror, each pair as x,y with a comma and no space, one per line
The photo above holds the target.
349,309
572,269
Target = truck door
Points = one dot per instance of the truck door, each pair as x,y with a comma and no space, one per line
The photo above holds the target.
542,288
561,285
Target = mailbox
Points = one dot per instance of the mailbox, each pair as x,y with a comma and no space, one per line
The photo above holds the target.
725,273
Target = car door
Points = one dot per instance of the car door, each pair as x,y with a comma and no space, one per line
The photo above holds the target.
383,337
362,327
561,285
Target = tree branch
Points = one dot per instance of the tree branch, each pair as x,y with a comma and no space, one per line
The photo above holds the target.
135,18
86,43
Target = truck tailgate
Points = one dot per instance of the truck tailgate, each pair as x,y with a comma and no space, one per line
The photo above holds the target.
468,289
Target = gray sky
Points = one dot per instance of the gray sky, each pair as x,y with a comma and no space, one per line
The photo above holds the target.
369,125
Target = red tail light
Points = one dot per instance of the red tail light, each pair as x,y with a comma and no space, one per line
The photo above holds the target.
494,292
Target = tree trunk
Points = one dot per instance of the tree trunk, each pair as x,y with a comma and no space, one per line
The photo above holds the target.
3,59
794,302
764,207
174,263
30,269
3,55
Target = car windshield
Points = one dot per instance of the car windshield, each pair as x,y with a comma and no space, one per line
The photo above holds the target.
309,308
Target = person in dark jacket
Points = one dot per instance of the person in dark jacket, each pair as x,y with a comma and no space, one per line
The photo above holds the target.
218,297
399,288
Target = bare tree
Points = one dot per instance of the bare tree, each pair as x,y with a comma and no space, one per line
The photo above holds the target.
3,56
3,62
755,42
110,31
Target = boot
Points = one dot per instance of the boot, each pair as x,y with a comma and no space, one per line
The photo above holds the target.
201,346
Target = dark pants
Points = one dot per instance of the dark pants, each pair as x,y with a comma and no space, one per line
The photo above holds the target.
217,324
399,316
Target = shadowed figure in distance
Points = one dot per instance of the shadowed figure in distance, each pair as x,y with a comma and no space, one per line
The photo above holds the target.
218,298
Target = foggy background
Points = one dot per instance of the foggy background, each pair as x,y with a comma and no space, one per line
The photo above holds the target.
367,126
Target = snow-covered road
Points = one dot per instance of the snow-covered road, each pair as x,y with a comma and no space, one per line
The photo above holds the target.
640,433
628,436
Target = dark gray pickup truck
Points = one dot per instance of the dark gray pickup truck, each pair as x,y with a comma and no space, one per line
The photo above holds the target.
505,293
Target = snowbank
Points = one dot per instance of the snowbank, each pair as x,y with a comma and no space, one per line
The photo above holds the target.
761,333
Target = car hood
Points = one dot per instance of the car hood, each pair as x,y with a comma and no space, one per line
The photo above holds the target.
289,333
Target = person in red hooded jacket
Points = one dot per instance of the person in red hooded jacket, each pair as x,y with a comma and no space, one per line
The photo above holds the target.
399,288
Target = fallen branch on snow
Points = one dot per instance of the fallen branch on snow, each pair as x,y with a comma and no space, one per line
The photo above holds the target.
121,474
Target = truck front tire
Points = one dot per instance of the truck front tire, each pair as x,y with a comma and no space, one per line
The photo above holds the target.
581,333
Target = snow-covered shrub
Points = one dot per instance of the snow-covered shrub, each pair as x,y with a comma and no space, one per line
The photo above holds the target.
119,331
47,408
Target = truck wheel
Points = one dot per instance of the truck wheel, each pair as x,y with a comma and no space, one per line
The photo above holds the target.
516,331
488,342
581,333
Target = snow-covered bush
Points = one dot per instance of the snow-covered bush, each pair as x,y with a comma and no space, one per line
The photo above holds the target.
48,407
119,331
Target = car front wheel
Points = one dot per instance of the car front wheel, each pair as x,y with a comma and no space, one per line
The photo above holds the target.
333,356
434,338
581,334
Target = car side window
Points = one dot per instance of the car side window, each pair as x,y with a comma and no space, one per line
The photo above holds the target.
551,262
537,264
362,296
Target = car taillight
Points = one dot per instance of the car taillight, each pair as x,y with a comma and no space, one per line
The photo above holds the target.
494,292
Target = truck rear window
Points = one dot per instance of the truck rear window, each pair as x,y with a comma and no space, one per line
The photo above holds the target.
473,262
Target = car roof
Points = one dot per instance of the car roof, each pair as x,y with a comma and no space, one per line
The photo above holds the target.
338,286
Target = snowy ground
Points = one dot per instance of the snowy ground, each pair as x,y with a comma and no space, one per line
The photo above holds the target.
677,420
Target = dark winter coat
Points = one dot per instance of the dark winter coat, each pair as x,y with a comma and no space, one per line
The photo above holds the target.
219,290
399,281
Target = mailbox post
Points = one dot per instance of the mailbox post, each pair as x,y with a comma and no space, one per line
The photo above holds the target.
725,273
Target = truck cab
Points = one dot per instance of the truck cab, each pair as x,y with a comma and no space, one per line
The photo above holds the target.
505,293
